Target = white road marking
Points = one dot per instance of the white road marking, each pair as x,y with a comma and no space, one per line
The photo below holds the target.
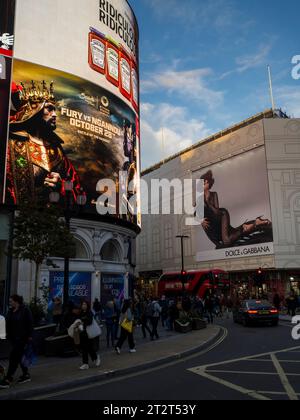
241,372
244,391
271,361
247,358
206,371
285,382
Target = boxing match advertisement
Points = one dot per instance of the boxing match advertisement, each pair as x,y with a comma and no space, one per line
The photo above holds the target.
63,127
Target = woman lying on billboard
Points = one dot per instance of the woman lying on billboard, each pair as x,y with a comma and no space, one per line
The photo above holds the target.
217,222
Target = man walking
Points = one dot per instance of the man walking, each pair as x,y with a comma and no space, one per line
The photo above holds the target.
19,329
156,311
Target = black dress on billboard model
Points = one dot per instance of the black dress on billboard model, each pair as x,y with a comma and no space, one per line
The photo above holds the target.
217,223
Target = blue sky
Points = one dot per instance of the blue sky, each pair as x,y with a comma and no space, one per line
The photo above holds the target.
204,66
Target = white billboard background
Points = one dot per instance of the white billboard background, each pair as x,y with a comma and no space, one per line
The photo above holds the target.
55,33
242,186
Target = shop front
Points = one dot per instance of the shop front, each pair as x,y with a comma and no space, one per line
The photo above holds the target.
102,265
267,284
147,283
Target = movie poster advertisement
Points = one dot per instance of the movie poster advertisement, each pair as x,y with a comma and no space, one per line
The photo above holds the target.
5,82
80,287
7,17
112,286
63,127
238,221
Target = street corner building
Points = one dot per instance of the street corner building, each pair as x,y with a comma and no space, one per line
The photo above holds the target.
69,109
251,220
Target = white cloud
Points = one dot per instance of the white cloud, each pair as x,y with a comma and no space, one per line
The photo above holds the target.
250,61
213,13
190,84
170,123
255,60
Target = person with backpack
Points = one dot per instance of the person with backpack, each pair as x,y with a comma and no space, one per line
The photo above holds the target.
155,316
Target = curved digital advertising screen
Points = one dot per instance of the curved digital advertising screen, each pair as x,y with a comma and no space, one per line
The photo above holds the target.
75,104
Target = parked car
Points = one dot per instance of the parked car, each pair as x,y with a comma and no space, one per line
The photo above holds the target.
256,311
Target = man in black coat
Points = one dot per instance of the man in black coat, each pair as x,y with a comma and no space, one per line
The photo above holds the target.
19,331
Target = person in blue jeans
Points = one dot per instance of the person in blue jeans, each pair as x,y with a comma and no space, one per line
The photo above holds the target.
110,320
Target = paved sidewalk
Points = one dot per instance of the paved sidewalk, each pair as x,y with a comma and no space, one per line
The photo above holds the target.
54,374
285,318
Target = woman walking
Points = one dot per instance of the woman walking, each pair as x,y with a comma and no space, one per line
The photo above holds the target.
126,322
87,344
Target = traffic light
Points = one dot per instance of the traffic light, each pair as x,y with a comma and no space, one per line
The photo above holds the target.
183,280
259,278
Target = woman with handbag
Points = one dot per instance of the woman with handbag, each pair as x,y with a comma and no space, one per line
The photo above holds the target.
126,323
89,331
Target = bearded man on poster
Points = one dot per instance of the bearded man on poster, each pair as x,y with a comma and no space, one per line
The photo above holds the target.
37,163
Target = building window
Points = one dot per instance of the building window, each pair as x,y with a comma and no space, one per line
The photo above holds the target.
156,245
188,244
110,252
81,251
169,241
143,250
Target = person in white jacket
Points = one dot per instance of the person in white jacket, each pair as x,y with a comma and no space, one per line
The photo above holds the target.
2,328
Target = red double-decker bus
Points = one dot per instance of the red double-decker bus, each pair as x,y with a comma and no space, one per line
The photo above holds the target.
195,283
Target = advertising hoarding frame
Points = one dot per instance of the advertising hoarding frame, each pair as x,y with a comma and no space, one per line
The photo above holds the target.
226,232
108,133
21,53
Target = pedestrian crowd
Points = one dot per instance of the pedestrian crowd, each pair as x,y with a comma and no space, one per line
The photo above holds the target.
119,320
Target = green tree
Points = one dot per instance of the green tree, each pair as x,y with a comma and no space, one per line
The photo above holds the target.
40,232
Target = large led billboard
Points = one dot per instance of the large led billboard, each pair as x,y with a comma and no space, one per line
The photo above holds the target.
64,127
75,102
7,17
238,221
96,40
5,77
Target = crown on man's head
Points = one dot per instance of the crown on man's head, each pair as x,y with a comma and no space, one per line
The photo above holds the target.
37,93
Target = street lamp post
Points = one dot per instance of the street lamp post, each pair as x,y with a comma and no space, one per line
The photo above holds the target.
182,237
80,201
